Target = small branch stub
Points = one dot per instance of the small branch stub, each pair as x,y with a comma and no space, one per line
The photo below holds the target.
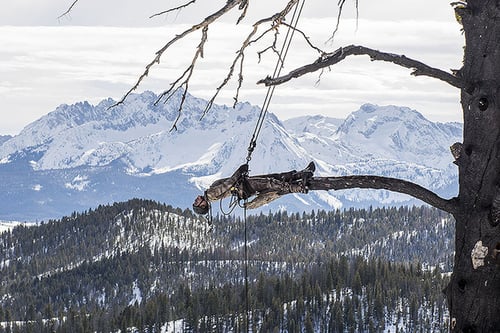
456,150
479,253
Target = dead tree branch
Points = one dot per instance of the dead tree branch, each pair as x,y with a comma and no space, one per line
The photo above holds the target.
182,82
173,9
203,24
340,54
306,38
68,10
184,85
276,21
385,183
339,15
341,4
265,188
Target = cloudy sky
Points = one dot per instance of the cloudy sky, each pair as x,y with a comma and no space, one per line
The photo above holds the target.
101,47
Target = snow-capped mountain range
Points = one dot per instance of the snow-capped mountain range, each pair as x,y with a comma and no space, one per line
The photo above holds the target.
80,155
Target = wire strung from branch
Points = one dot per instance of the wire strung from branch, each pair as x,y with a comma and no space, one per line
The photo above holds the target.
277,70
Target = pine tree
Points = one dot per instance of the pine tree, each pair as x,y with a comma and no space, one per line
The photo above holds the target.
308,324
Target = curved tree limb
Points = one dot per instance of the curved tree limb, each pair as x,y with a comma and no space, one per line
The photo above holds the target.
340,54
339,15
266,188
385,183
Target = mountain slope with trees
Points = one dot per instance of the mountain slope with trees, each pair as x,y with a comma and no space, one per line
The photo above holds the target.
144,264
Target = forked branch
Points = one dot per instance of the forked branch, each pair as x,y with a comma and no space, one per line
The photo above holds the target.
183,81
340,54
276,21
203,24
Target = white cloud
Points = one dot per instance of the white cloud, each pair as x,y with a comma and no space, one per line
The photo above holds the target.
43,67
136,13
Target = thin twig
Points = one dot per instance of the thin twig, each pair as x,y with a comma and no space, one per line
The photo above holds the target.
337,25
187,76
272,46
244,8
240,81
307,39
173,9
357,14
68,10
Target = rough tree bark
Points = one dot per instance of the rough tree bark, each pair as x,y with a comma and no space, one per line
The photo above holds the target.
474,291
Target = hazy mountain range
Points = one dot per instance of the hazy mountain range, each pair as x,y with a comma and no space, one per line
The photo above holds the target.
79,156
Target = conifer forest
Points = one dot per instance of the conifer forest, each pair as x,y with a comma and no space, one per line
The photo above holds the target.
143,266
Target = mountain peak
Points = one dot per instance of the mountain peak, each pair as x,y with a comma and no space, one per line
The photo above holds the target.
372,113
93,154
407,133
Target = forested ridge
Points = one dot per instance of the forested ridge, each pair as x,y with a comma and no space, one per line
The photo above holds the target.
142,265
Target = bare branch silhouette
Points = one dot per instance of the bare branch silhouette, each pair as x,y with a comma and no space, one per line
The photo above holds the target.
173,9
68,10
340,54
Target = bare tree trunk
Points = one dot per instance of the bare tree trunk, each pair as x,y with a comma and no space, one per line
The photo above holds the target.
474,291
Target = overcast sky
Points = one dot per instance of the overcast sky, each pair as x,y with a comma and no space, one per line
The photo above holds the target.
101,47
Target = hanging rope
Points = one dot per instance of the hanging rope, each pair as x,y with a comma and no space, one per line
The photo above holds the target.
277,70
260,121
246,269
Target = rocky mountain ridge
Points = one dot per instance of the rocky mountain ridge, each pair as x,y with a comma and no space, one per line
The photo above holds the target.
80,155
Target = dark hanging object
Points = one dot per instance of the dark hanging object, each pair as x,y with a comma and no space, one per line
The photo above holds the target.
483,104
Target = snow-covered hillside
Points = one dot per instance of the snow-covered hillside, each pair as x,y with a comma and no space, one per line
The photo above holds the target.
81,155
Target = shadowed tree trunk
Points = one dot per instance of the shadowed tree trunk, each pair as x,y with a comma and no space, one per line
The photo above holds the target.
474,291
